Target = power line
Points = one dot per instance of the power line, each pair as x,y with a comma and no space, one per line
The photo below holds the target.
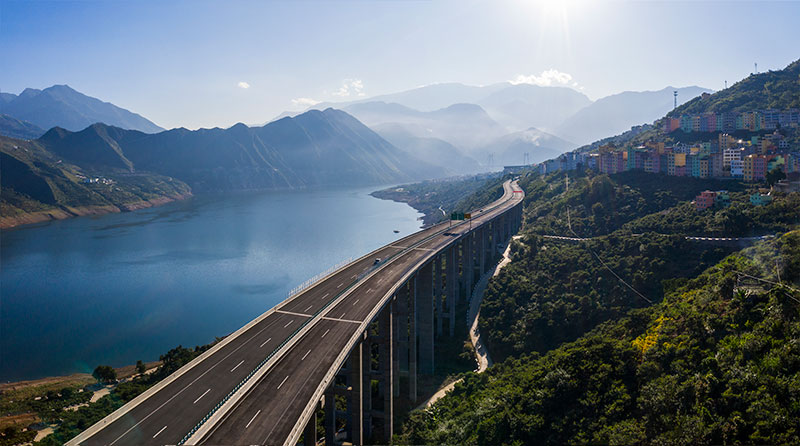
606,266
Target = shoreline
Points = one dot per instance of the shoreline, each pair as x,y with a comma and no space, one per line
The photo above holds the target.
65,212
429,216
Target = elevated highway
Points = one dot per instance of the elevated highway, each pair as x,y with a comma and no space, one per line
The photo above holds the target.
265,383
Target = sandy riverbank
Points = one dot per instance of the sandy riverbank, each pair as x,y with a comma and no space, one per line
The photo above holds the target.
64,212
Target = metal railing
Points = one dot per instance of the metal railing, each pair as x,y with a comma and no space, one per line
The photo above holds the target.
313,317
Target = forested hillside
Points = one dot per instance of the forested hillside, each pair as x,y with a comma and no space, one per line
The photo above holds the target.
634,336
774,89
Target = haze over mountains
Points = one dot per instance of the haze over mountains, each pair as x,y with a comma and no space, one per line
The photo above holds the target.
617,113
506,120
61,106
315,149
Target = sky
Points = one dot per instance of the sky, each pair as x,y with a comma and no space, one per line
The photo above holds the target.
215,63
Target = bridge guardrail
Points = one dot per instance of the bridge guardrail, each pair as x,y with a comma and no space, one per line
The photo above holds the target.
346,351
313,318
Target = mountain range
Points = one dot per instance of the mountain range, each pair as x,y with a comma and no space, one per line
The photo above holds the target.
326,148
61,106
617,113
504,121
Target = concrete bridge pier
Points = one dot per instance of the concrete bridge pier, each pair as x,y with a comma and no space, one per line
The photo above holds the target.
452,286
355,395
468,271
482,244
424,322
310,431
438,294
386,370
329,402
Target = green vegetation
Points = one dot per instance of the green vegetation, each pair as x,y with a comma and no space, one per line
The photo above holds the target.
35,180
773,89
105,374
433,197
717,362
611,341
69,408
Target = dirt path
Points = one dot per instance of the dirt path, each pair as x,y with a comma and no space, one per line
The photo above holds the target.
481,353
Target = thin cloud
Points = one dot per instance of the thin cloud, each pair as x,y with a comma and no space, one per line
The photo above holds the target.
304,102
243,85
350,87
547,78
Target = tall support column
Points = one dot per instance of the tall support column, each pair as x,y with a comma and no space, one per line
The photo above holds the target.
452,286
437,292
412,339
385,355
425,318
484,233
403,299
355,396
310,431
330,416
366,388
395,361
469,273
496,236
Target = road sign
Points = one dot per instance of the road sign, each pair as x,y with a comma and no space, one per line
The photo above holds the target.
467,215
457,216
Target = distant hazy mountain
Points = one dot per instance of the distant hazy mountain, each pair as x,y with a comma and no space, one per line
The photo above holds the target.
465,126
431,150
617,113
515,107
540,146
429,97
519,107
317,148
61,106
15,128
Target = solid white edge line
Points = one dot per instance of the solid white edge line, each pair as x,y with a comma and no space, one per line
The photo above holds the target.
295,432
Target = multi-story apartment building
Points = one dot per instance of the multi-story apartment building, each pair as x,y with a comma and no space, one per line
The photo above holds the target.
730,155
737,168
754,168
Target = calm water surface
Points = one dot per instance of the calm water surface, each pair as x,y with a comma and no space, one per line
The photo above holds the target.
123,287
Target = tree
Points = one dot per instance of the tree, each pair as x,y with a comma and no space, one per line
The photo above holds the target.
774,175
140,367
105,374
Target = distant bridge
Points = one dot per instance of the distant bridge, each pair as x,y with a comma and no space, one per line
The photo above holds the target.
371,324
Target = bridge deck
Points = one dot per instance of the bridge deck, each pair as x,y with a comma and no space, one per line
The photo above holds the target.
167,415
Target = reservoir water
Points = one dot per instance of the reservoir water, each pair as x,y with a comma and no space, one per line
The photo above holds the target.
122,287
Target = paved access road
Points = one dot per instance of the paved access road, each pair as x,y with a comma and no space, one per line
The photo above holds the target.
188,395
267,414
